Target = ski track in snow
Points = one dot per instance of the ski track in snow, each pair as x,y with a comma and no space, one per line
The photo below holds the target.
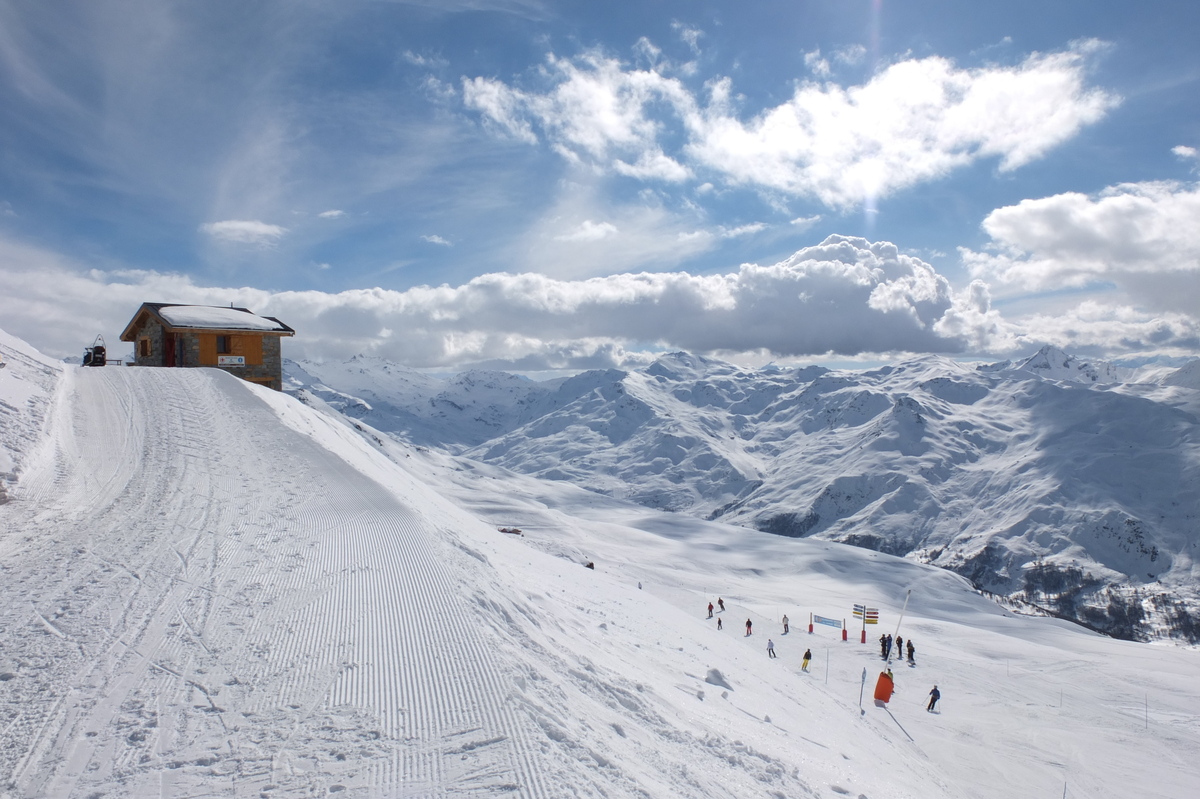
321,644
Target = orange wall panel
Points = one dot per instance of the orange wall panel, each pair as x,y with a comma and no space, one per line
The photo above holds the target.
253,349
208,349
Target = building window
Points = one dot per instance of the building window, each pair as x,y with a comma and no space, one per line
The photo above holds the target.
224,345
143,347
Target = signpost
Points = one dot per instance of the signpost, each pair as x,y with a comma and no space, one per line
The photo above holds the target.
868,616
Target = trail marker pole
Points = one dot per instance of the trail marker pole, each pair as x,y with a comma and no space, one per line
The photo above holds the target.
861,688
907,594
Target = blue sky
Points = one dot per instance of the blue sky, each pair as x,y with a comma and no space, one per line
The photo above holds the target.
559,185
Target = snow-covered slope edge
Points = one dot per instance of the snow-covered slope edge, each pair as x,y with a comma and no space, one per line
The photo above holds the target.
27,382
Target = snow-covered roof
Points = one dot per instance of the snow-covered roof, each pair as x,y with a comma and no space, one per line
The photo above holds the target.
217,317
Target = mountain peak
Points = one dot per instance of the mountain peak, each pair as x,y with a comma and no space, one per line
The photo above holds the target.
1055,364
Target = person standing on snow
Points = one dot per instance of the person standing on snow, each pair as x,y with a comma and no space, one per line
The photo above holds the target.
899,646
807,657
934,696
718,622
721,604
770,648
887,651
883,646
749,626
785,624
710,606
911,650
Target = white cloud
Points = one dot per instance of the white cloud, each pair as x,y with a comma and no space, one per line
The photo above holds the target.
244,231
1105,327
1141,237
845,296
589,231
806,222
817,65
428,62
331,214
501,107
742,230
916,120
654,165
854,54
436,239
1183,151
688,35
622,237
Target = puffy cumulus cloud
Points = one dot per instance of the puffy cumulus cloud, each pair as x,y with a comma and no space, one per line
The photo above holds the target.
1142,238
245,231
438,240
844,296
916,120
971,318
596,110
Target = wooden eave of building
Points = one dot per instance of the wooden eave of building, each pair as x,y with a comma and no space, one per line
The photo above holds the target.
150,309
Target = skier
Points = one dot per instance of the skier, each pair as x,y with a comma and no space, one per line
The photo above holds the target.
911,649
807,657
770,648
785,624
710,608
934,696
887,650
721,604
899,646
718,622
749,626
883,646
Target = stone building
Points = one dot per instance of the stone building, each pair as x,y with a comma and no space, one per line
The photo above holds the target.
233,339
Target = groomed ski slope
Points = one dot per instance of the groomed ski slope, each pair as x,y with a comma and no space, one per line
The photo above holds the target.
209,589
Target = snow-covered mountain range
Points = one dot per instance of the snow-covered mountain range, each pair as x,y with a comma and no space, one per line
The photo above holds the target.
1052,481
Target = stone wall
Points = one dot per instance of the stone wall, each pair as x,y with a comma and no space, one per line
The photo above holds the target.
156,357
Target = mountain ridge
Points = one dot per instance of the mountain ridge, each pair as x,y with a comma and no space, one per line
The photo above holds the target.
1042,481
